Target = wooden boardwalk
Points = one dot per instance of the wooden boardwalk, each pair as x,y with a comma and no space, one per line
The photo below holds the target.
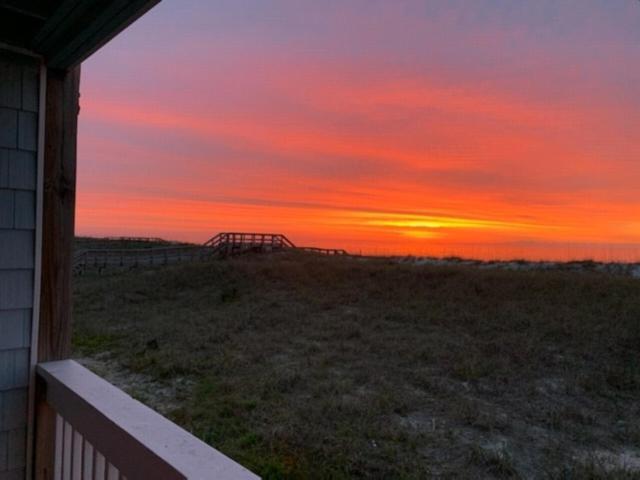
221,245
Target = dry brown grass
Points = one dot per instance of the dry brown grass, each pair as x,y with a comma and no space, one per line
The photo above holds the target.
307,367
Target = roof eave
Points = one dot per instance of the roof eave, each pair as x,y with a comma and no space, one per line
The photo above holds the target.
74,29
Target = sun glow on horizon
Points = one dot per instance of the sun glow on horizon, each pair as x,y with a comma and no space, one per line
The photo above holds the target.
434,222
318,121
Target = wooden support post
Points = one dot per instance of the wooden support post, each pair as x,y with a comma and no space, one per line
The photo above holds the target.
54,333
61,126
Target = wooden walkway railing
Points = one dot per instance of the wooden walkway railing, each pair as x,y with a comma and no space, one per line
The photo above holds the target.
323,251
102,433
221,245
249,240
232,242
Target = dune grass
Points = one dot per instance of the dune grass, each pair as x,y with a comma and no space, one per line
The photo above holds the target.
305,367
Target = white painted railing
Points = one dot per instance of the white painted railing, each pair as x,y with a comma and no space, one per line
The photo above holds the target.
104,434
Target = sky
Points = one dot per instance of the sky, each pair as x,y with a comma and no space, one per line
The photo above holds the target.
482,128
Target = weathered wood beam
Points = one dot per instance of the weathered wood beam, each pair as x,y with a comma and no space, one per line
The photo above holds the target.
61,127
40,9
59,196
80,27
98,30
68,11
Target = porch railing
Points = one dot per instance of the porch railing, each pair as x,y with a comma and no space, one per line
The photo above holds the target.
104,434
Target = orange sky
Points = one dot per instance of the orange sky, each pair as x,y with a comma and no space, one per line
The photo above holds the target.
492,130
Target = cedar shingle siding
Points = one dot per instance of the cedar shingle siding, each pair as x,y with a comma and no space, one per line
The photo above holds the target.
18,177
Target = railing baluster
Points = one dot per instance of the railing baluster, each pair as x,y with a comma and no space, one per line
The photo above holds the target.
112,472
58,448
87,464
99,469
66,451
76,463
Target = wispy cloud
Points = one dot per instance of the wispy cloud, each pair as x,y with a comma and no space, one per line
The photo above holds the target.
389,126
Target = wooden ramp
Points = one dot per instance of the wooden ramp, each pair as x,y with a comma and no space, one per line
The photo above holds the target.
221,245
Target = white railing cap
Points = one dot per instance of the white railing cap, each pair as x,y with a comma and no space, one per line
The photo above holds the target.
121,426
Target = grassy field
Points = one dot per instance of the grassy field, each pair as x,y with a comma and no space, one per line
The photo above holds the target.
307,367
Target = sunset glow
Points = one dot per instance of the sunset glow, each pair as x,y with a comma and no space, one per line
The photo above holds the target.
489,128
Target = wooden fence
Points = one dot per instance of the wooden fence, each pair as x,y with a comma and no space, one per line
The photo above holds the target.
137,257
221,245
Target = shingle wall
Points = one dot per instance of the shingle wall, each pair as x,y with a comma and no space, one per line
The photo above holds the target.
18,177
